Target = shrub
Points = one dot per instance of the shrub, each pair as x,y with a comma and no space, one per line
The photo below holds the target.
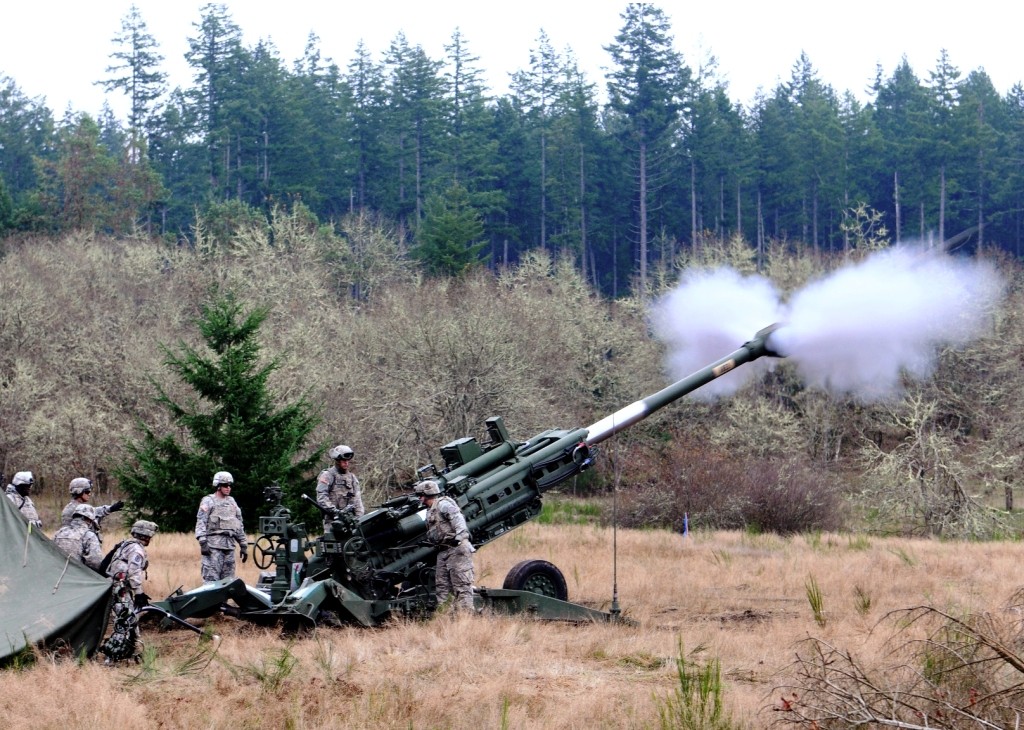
717,490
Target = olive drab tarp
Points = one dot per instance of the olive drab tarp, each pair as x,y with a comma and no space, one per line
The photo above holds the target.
46,599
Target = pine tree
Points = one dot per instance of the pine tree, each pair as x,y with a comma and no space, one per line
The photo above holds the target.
415,96
232,424
135,69
450,237
645,88
218,57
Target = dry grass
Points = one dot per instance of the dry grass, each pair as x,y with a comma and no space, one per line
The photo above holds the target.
739,598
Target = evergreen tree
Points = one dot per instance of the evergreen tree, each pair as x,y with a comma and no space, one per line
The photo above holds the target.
218,58
718,145
944,85
901,113
450,240
646,88
819,131
537,88
981,115
270,136
471,158
414,124
322,97
861,147
180,159
366,81
26,138
6,209
577,133
135,69
1011,189
232,423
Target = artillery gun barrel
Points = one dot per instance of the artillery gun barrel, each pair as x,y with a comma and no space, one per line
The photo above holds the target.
625,417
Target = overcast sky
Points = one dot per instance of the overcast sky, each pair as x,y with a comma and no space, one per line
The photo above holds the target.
57,50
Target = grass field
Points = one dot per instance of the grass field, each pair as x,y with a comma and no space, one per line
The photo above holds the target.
747,601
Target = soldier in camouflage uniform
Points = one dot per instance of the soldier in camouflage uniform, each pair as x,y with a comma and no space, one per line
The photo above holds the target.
446,528
337,488
17,491
79,539
128,565
81,493
129,561
218,526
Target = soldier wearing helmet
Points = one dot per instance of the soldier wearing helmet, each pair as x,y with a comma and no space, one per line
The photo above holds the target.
337,488
18,492
218,526
81,493
79,539
129,561
446,528
128,565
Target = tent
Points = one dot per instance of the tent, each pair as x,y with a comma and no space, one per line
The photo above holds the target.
46,599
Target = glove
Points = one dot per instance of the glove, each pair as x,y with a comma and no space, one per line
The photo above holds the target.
244,555
141,600
466,548
203,548
117,506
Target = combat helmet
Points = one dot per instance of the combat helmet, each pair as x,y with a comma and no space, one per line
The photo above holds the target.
428,488
86,511
341,451
144,528
79,486
22,478
223,477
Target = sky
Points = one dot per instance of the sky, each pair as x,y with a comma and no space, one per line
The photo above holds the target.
56,50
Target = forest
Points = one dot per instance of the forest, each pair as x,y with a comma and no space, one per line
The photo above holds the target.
620,174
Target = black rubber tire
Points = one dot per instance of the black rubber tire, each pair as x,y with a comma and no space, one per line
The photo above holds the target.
537,576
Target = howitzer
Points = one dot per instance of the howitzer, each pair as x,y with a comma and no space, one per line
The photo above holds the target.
364,570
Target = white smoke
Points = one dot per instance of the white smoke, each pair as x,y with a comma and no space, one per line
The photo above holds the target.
855,332
709,315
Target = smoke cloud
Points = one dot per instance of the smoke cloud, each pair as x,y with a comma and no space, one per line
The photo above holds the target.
855,332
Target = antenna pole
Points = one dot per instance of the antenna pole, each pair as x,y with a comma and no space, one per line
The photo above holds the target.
615,610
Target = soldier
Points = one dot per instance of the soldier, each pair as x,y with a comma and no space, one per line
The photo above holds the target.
80,539
218,525
128,564
81,493
337,488
129,561
446,528
17,491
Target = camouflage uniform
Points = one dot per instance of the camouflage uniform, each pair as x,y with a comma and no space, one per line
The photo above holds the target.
446,527
24,505
80,541
81,493
219,526
69,511
337,490
127,568
130,559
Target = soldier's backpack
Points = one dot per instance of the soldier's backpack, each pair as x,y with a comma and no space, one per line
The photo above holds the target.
105,563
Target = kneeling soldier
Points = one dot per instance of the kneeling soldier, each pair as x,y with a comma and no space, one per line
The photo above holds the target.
79,539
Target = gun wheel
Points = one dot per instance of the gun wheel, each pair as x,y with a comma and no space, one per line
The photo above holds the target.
263,552
537,576
357,553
